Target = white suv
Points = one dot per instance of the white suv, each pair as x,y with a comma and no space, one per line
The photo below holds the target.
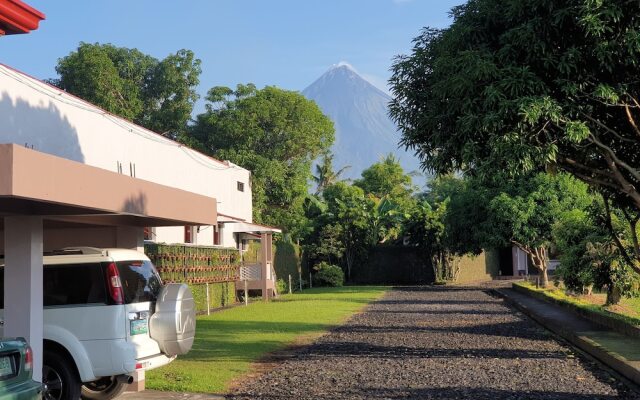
106,315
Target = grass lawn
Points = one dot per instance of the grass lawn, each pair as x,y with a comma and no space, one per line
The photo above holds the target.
628,309
229,341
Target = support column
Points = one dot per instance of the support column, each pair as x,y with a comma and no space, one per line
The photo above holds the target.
23,284
265,265
130,237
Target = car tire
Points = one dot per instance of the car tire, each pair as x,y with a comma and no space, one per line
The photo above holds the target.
59,378
106,388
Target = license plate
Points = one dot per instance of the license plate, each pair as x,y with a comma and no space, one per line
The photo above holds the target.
6,366
139,326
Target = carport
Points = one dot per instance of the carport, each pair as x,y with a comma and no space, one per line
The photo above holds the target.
47,202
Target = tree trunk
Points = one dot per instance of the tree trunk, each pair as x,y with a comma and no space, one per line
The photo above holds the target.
540,262
544,277
613,295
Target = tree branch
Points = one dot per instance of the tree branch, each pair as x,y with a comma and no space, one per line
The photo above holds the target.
615,158
606,128
632,120
615,237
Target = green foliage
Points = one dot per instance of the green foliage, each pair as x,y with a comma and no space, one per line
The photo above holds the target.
328,275
426,229
287,262
589,255
526,208
220,295
328,245
194,264
515,86
157,94
325,175
348,206
274,133
387,179
282,286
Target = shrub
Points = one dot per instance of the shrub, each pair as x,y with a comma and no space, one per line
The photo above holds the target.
281,286
328,275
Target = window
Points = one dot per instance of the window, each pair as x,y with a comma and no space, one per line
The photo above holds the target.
149,233
217,235
70,284
240,186
140,281
189,234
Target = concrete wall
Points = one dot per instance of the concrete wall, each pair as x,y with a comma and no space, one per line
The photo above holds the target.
483,267
49,120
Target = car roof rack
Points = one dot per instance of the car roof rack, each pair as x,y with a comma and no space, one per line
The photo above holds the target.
80,250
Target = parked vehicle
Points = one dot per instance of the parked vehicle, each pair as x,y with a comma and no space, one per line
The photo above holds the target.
16,368
106,315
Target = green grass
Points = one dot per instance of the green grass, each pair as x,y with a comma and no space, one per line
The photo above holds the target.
628,310
229,341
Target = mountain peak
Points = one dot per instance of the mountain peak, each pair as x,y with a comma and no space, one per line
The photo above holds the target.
364,132
343,75
343,65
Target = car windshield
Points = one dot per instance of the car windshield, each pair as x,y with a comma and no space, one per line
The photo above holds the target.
140,281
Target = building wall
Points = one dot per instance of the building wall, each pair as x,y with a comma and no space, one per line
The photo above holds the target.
46,119
483,267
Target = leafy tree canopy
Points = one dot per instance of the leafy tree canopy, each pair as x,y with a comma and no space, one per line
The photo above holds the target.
274,133
157,94
517,85
387,179
325,175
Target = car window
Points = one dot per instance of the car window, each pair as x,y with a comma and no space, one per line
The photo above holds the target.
73,284
69,284
140,281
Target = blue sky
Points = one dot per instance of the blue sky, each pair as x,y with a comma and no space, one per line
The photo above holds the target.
287,43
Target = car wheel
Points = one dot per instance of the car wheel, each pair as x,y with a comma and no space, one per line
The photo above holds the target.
106,388
59,379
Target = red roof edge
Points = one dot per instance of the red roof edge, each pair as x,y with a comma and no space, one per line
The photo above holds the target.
18,17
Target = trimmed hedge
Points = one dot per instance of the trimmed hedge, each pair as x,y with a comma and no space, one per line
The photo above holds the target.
220,295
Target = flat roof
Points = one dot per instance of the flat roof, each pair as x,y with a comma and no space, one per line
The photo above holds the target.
35,183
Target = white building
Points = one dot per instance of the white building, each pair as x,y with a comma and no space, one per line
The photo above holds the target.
44,118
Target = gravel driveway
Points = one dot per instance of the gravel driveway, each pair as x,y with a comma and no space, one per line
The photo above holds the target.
437,343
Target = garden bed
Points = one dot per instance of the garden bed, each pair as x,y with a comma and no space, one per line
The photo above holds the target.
589,307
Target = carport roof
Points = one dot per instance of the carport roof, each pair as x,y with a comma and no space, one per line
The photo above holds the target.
35,183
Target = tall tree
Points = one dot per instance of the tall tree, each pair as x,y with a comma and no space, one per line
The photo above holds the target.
158,95
387,179
325,175
520,85
349,208
525,210
274,133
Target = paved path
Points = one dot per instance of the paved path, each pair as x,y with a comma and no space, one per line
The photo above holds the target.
437,343
619,351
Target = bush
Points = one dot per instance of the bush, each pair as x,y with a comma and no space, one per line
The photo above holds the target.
281,286
328,275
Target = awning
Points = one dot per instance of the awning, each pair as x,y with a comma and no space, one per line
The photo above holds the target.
255,228
35,183
241,226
